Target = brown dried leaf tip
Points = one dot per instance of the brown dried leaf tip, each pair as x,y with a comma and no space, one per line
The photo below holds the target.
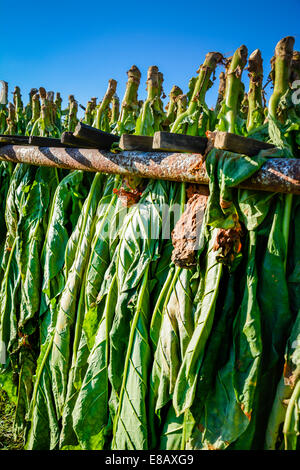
185,235
229,243
130,193
128,198
290,374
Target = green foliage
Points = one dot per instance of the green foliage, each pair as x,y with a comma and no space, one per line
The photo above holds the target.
108,344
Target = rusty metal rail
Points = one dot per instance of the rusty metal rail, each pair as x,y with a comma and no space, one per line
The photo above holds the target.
277,175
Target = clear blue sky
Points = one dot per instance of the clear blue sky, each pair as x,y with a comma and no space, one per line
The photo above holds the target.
75,47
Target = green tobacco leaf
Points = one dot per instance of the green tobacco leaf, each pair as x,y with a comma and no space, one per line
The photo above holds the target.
172,432
30,236
91,411
130,427
60,356
232,399
291,425
30,240
145,121
226,170
10,286
88,316
75,237
290,375
157,314
277,316
44,416
253,206
164,268
88,295
53,254
216,355
150,117
293,259
185,387
175,333
44,428
67,436
139,246
109,220
6,169
9,305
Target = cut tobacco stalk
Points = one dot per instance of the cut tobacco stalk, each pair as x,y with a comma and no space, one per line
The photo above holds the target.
149,121
65,112
282,70
181,104
11,121
244,110
187,122
101,120
72,118
57,111
221,92
36,109
88,114
172,105
230,107
282,62
58,101
20,119
151,115
43,126
192,84
28,107
130,107
115,111
255,109
52,107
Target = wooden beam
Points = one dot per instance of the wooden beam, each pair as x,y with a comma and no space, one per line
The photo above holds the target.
14,140
67,138
99,139
169,142
239,144
45,141
276,175
136,142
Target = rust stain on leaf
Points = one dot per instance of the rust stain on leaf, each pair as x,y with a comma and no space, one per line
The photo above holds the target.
200,427
246,413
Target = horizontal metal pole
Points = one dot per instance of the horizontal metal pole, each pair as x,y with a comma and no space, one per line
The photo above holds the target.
276,175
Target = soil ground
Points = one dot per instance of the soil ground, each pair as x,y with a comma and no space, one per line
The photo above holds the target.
7,411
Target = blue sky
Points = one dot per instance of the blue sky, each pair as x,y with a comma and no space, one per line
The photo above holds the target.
75,47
